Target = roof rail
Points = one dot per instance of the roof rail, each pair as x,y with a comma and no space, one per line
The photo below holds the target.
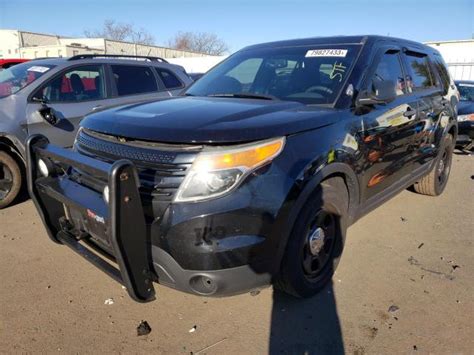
125,56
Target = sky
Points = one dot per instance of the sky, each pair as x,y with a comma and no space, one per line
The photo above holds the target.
243,22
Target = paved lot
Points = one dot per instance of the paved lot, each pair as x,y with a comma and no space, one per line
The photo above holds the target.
414,253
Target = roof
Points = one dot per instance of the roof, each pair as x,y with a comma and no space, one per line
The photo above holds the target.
359,39
65,60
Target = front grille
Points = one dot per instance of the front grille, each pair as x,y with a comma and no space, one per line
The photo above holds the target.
161,168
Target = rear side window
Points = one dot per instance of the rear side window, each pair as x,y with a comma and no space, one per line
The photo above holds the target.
132,80
442,69
389,68
420,75
169,79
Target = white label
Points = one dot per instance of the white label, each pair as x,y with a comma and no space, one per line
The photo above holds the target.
326,53
466,85
38,69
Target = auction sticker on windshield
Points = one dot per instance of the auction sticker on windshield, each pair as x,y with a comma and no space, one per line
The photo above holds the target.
38,69
326,53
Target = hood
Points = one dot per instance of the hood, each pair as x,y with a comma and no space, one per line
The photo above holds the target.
208,120
465,107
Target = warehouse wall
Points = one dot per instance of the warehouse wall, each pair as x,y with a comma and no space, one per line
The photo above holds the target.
9,44
459,55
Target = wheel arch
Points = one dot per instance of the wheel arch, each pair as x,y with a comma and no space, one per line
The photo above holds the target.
13,146
335,169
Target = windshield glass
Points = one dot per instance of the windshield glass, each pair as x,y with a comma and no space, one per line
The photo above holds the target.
466,90
17,77
311,75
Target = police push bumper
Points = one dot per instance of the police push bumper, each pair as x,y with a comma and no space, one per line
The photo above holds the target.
102,220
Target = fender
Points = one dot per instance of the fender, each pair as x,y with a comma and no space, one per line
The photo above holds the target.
14,145
336,168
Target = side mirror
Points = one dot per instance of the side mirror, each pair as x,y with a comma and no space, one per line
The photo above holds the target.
384,93
49,115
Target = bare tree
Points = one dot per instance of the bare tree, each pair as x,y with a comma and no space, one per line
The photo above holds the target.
121,32
203,42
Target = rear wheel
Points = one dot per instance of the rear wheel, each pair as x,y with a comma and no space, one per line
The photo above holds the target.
10,179
317,240
434,183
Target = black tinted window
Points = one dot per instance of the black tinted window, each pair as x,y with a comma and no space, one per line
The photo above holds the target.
389,69
440,66
169,79
131,80
421,77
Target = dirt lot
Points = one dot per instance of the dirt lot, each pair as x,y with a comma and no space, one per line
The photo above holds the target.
415,253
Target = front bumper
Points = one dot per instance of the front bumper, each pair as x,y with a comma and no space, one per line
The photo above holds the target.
114,236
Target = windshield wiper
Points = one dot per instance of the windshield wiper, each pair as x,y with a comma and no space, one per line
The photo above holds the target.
245,95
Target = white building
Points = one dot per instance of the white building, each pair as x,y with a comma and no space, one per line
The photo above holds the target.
459,55
29,45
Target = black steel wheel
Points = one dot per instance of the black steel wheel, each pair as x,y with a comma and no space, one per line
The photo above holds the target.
316,242
434,183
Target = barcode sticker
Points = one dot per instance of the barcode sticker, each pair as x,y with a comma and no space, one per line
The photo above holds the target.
326,53
38,69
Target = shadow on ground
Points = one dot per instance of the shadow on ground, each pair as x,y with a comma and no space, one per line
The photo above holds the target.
305,326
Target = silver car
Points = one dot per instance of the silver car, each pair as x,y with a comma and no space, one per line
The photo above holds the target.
51,96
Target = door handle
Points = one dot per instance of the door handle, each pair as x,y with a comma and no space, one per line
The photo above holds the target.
409,113
95,108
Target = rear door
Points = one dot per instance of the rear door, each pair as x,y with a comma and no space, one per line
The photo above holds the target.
426,85
72,94
388,129
135,83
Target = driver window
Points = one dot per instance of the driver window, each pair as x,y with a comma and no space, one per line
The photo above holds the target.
389,69
79,84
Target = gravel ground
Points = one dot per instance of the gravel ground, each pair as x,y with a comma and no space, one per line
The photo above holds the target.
405,284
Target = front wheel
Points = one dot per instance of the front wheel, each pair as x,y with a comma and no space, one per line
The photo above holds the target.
316,242
10,179
434,183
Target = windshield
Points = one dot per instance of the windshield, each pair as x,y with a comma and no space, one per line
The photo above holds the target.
311,75
466,90
17,77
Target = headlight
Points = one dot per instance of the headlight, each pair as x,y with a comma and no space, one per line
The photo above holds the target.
215,173
43,168
469,117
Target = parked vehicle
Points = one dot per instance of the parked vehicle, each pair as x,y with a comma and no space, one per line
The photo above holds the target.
7,63
254,175
465,115
51,97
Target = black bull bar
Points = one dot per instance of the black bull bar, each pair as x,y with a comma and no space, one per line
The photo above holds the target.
122,216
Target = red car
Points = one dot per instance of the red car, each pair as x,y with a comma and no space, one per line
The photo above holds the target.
7,63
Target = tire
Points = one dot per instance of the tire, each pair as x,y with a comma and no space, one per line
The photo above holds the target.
305,270
10,179
434,183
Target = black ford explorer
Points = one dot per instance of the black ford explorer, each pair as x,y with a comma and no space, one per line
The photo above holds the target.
252,176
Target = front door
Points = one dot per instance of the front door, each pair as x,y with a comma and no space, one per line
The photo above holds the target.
72,94
388,130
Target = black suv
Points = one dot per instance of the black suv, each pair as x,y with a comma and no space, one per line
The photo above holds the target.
253,176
